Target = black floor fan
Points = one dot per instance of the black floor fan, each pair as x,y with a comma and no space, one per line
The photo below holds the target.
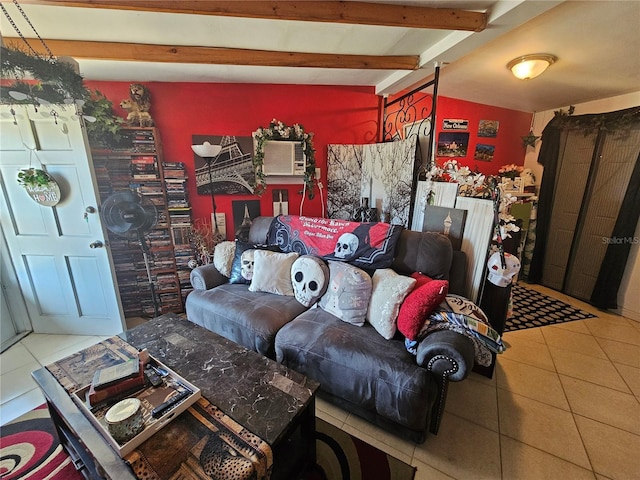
130,215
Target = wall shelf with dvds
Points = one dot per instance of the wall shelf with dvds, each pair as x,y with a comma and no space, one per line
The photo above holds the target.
137,164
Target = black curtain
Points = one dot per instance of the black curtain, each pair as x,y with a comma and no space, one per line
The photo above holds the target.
605,291
548,157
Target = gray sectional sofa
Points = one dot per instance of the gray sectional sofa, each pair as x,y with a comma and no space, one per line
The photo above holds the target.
357,368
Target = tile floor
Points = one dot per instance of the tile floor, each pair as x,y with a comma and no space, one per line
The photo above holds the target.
564,403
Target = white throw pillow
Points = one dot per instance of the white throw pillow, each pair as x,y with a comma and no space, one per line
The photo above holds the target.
272,272
223,257
388,293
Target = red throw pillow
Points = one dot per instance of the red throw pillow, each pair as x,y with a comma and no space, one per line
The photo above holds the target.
423,299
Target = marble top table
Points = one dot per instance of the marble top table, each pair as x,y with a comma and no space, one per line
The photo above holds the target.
260,394
270,400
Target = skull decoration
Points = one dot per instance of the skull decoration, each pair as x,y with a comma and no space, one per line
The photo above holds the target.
498,275
246,264
310,277
346,246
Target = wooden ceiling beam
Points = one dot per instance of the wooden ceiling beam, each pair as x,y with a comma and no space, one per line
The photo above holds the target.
140,52
359,13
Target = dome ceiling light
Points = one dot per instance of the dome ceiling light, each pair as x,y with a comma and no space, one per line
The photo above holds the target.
530,66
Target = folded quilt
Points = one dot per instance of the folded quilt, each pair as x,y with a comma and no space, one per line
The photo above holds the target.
460,315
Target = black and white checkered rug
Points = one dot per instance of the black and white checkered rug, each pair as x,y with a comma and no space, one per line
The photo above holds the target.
533,309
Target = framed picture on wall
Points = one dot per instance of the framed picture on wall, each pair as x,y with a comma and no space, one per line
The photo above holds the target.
488,128
484,152
232,171
244,211
280,202
452,144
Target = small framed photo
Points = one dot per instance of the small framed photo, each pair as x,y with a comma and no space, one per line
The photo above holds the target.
484,152
488,128
512,186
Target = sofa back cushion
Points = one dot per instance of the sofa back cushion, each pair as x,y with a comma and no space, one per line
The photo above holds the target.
429,253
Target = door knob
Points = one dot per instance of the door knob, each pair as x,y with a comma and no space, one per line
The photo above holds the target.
96,244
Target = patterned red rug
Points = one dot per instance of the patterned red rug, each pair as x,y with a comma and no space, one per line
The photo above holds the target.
30,448
343,457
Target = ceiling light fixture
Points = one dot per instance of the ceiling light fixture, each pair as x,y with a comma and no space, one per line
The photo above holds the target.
530,66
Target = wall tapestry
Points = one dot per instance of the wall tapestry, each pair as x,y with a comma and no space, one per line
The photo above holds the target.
231,171
380,172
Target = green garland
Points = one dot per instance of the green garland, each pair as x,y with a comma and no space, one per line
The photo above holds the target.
55,81
279,131
592,122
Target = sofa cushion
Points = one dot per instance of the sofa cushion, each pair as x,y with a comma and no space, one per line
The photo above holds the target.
425,298
388,292
357,365
427,252
348,294
310,279
250,319
272,272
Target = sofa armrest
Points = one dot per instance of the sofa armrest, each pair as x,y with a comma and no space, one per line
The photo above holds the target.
206,277
448,355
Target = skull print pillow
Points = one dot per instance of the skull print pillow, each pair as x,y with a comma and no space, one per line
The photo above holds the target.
310,277
243,262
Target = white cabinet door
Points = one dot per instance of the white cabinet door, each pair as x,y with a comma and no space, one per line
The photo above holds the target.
68,286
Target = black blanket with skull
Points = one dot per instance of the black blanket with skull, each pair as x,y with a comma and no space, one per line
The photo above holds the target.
366,245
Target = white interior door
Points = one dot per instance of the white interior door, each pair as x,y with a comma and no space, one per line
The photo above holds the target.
68,286
14,318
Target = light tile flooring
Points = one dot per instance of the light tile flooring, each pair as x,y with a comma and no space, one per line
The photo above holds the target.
564,403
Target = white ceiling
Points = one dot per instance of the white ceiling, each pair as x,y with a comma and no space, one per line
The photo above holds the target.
597,44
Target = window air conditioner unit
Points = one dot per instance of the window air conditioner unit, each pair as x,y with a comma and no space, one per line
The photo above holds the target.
284,158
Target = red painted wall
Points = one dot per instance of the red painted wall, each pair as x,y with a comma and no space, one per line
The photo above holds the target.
513,125
335,114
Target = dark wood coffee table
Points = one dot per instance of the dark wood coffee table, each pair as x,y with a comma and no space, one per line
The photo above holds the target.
267,398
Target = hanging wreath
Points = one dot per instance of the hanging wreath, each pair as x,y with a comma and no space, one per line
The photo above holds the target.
279,131
41,187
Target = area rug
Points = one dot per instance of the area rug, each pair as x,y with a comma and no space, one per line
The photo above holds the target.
341,456
30,448
533,309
